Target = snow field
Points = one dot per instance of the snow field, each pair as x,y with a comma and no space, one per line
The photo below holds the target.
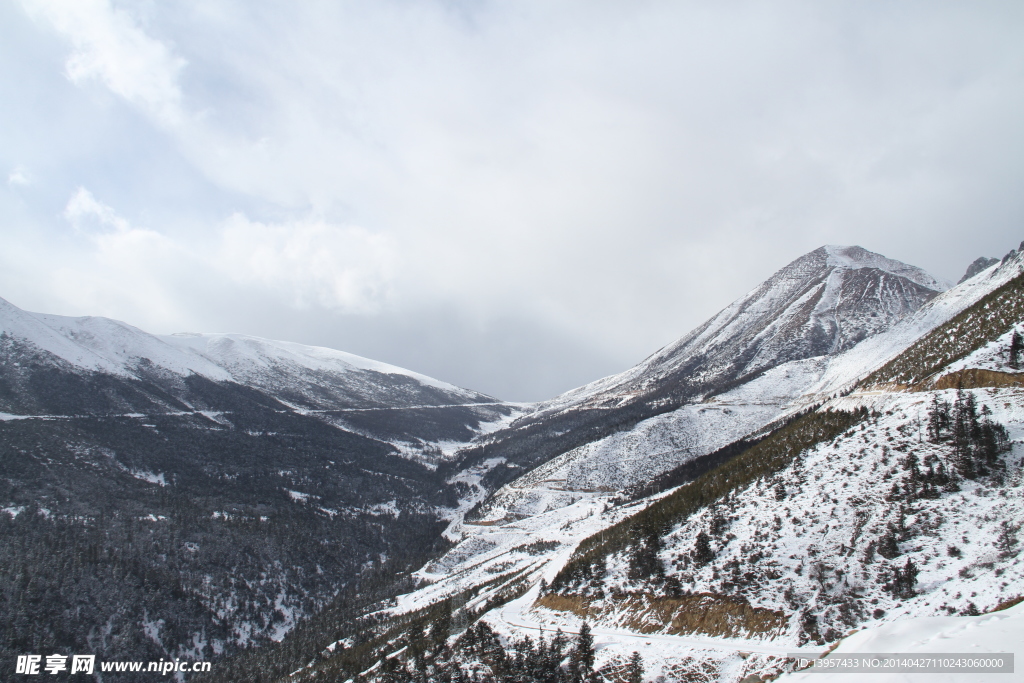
999,632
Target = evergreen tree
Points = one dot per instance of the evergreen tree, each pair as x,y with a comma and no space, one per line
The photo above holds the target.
965,420
442,626
1016,346
902,585
1007,539
702,553
938,418
644,562
635,669
888,547
581,660
992,438
911,465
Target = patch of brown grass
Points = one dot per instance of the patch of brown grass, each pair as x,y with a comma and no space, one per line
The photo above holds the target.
706,613
1007,604
974,378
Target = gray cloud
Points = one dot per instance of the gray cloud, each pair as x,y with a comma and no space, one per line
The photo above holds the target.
546,191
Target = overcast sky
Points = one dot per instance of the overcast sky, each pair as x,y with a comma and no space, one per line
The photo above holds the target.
518,197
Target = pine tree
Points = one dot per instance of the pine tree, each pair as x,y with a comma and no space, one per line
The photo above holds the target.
442,626
938,418
903,581
1016,346
964,428
702,553
581,659
644,562
1007,539
635,669
888,547
992,438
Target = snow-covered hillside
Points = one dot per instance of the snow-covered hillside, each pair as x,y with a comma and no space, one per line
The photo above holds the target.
660,443
1000,632
872,525
56,365
212,490
110,346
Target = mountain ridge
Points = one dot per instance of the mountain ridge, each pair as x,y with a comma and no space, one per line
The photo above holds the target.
819,305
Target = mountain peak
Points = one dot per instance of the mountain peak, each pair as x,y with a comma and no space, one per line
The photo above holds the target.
856,257
979,264
820,304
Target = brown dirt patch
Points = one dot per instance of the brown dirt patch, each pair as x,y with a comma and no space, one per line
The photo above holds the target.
707,613
974,378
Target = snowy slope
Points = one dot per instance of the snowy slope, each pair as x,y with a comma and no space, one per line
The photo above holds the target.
873,353
320,377
753,363
808,550
253,360
658,444
999,632
56,366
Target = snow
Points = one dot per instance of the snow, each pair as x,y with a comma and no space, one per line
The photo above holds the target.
992,356
876,351
858,257
813,541
1001,632
7,416
246,358
801,296
152,478
389,508
110,346
297,496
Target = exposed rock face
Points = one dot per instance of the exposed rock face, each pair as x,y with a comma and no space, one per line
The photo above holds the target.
979,264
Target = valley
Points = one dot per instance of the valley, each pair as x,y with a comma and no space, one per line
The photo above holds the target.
838,451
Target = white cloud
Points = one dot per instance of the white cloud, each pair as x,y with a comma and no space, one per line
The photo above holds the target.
19,176
311,262
109,46
304,263
84,213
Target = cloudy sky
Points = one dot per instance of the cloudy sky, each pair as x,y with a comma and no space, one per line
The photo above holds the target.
517,196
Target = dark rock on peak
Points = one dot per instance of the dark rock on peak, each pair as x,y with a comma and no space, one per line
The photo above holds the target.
980,264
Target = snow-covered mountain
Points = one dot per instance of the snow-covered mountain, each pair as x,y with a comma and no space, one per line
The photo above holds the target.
781,431
821,304
320,377
637,456
738,372
846,513
146,373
